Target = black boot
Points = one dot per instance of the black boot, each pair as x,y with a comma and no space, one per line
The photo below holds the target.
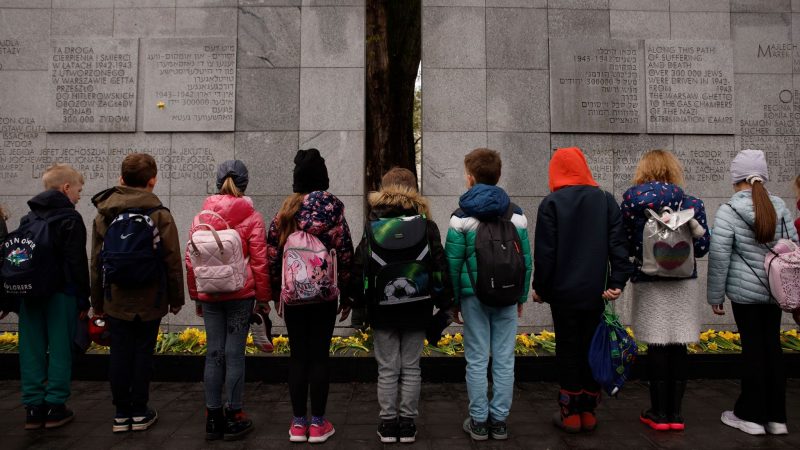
656,416
215,424
236,424
674,417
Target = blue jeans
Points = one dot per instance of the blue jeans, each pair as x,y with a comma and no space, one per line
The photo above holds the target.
227,324
488,328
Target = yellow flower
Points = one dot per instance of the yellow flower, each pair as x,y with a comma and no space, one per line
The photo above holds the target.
250,339
630,332
792,333
190,334
425,342
704,336
9,338
458,338
713,346
547,335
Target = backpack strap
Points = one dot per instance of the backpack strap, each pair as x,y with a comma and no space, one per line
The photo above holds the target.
207,212
760,281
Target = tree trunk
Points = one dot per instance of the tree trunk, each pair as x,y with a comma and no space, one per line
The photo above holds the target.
393,52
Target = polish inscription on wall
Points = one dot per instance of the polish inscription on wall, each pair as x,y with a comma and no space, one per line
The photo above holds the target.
190,84
597,86
689,87
93,85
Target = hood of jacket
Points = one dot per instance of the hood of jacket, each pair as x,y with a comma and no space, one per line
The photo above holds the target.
484,201
568,167
397,200
653,195
48,201
234,210
320,212
117,199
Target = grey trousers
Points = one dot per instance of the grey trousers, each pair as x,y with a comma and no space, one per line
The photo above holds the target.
397,353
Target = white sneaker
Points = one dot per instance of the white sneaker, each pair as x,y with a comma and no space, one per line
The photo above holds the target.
777,428
730,419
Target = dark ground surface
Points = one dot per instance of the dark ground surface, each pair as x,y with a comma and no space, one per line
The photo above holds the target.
353,409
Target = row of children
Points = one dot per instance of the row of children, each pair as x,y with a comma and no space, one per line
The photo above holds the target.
583,244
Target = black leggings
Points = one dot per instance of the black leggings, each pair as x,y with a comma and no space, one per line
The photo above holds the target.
310,329
667,362
574,331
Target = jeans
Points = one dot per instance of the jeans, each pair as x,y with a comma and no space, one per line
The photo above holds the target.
397,353
489,329
310,329
131,364
46,327
763,396
227,324
574,331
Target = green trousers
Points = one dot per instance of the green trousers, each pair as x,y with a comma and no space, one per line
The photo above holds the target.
47,326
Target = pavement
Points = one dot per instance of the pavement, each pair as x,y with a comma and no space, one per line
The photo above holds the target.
353,409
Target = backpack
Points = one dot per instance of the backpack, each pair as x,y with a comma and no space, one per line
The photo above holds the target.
612,353
667,244
500,280
29,257
217,257
308,272
131,255
397,265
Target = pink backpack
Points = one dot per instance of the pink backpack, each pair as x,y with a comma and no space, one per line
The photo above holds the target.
217,257
309,271
783,269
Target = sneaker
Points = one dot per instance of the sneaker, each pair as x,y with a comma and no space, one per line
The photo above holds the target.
122,423
478,431
388,431
319,432
298,430
236,424
58,415
655,421
776,428
35,416
143,422
730,419
498,430
408,430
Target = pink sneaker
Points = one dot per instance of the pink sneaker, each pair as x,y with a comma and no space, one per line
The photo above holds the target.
298,430
320,432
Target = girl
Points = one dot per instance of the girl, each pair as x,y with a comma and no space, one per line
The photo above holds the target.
744,228
310,325
665,310
227,316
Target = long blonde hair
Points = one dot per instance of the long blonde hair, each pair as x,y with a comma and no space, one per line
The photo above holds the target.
659,165
229,188
286,221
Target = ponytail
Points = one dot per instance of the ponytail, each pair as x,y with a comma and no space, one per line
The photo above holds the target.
229,188
286,221
766,217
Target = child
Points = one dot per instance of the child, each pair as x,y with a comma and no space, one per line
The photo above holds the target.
487,329
227,315
134,307
316,211
47,325
665,312
744,228
400,327
579,236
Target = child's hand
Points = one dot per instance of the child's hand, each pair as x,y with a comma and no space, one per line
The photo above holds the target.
345,310
696,228
263,308
519,310
457,315
536,298
198,309
612,294
718,309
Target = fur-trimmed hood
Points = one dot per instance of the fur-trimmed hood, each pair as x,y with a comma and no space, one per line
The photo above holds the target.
398,200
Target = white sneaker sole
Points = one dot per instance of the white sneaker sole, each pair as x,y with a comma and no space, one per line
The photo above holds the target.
297,438
776,428
755,430
121,428
321,439
144,426
387,439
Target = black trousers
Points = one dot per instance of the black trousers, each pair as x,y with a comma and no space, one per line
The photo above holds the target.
574,331
310,329
763,396
667,362
131,363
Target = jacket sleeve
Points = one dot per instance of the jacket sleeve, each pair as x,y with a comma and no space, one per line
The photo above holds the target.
544,249
257,242
526,253
98,294
442,286
191,283
455,249
629,224
621,267
702,244
356,288
719,256
344,257
173,257
73,237
274,258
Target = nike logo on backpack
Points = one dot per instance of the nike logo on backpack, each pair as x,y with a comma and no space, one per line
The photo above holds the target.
125,236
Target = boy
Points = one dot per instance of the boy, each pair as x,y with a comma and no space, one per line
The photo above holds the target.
134,308
400,319
487,328
47,325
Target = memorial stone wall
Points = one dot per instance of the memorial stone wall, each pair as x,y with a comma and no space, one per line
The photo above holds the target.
703,78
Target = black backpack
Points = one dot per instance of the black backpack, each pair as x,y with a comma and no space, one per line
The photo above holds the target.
397,260
132,251
501,265
30,259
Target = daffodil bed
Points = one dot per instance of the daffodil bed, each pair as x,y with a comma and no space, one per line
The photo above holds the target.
193,341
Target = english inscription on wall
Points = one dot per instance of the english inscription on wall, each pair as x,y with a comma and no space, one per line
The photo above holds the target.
190,84
93,85
689,87
597,86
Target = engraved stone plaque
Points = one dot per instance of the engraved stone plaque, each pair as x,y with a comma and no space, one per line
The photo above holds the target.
93,85
689,87
597,86
190,84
